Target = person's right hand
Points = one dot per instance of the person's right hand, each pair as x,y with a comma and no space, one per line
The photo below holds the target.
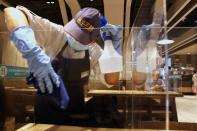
116,34
157,88
39,63
44,74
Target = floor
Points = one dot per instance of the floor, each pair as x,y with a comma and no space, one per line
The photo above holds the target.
187,108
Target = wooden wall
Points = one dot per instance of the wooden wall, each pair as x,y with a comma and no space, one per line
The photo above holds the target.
10,56
185,60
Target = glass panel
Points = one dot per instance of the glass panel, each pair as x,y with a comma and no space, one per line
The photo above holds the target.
150,92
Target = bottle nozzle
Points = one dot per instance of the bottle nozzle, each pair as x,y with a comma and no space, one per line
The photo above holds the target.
107,35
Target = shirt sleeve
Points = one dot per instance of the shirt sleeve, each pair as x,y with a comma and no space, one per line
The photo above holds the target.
49,35
162,83
194,78
95,52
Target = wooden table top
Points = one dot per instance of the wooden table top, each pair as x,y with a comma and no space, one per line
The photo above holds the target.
133,93
47,127
15,90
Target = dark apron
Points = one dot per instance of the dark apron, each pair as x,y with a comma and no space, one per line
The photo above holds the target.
102,110
74,73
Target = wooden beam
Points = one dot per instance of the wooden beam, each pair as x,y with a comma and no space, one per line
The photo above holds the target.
158,11
144,15
183,14
127,18
176,8
63,11
183,40
4,3
125,45
191,48
114,11
184,43
190,34
74,6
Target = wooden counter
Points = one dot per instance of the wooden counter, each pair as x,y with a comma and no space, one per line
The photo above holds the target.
46,127
133,93
150,97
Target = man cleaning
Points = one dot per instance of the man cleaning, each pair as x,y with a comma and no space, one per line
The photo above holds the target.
73,51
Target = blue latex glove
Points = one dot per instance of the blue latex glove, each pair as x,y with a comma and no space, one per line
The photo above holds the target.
39,63
116,34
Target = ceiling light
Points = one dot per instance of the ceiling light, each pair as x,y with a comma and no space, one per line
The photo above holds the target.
91,0
50,2
165,42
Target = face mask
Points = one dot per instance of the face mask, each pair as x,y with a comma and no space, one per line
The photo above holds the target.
75,44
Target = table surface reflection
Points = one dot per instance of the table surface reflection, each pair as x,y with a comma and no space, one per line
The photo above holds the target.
133,92
47,127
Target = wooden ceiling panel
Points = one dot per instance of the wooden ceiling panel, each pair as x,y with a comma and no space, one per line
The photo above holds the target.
192,50
114,11
74,6
177,6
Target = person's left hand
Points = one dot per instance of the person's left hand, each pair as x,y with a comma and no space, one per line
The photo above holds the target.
157,88
116,34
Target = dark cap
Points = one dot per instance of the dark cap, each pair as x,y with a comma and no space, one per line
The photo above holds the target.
84,27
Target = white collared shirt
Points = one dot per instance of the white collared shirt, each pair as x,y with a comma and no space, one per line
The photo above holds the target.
51,37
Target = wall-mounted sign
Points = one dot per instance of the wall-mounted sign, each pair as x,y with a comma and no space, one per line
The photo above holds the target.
13,71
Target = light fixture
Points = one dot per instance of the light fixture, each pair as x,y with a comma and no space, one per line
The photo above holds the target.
50,2
165,41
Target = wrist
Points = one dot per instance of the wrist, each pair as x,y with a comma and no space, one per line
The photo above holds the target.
38,60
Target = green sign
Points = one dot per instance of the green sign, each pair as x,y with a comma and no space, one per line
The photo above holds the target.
13,71
175,76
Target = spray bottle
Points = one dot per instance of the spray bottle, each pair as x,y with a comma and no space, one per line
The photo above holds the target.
110,61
